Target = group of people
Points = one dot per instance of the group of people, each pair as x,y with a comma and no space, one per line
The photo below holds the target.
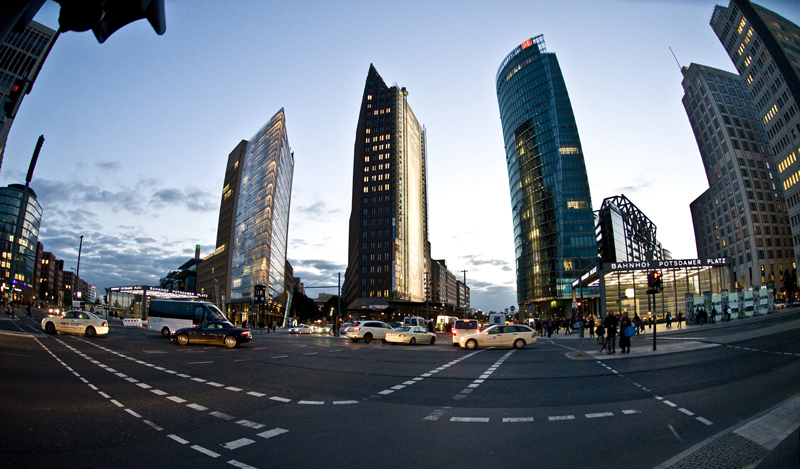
610,326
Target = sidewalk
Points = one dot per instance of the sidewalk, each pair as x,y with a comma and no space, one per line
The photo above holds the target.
666,342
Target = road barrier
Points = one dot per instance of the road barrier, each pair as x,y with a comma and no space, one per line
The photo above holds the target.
132,322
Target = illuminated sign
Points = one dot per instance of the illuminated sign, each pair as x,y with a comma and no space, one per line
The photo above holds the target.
527,44
667,264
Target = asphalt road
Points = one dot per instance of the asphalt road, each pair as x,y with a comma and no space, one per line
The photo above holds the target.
133,399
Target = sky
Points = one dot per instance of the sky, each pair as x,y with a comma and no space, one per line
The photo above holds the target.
138,129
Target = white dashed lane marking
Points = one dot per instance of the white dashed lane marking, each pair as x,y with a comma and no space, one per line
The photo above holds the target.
236,444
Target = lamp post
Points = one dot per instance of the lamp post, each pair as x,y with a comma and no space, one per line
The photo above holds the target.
78,269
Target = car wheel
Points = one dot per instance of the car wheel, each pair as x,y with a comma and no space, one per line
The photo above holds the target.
433,339
367,338
165,331
471,344
354,340
519,343
182,339
413,341
90,332
50,328
230,341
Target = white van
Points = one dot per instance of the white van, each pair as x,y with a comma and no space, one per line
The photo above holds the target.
414,321
497,318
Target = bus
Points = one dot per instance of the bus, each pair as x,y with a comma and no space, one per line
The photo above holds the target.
167,316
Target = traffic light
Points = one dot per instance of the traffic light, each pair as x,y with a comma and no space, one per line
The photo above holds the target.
14,97
104,17
654,282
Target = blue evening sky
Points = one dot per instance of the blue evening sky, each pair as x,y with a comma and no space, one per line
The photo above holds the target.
138,129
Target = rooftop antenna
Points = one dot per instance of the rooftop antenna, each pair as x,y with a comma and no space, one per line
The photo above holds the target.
676,59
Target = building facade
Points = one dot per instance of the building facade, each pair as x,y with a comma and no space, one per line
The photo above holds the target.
21,55
214,273
388,249
742,216
551,204
20,216
443,286
262,216
765,49
626,234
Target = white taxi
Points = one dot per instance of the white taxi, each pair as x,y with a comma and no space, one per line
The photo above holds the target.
410,335
76,322
512,335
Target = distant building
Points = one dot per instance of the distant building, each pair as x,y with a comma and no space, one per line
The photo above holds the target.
262,218
742,216
21,55
625,234
214,273
550,199
462,297
185,278
443,289
388,250
765,48
20,216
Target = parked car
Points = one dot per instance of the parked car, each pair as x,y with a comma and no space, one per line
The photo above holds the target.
515,335
76,322
213,332
410,335
367,330
300,329
463,327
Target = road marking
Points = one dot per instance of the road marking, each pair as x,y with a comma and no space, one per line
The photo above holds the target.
344,402
221,415
183,375
256,394
207,452
281,356
311,402
249,424
199,380
312,353
171,372
599,415
280,399
630,411
408,383
176,399
240,465
470,419
196,407
701,419
104,394
398,387
272,433
235,444
687,412
117,403
133,413
435,415
386,391
231,388
157,428
159,392
143,385
131,380
561,417
517,419
200,363
94,388
671,404
178,439
216,385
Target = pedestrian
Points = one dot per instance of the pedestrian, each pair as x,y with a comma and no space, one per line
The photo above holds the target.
610,323
669,320
591,326
680,318
624,339
714,315
28,309
274,325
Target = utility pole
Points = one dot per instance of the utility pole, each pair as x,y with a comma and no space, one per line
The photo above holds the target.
466,306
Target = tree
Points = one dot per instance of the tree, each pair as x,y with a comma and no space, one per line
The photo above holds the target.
304,308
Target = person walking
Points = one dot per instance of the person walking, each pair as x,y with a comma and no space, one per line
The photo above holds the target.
274,325
680,318
713,315
624,339
610,323
591,326
28,310
669,320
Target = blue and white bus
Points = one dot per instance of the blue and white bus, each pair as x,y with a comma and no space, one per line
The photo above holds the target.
170,315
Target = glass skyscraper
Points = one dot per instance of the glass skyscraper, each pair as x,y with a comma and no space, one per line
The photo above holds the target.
554,234
262,213
20,216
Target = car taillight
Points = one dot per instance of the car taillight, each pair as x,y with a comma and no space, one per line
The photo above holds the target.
354,329
454,332
105,324
401,336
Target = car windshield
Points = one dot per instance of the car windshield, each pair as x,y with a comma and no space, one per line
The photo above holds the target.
402,329
92,316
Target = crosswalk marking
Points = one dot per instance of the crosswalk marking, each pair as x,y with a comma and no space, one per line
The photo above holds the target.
236,444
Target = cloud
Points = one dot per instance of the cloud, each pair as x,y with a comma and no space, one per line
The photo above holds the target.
110,166
318,210
642,183
473,260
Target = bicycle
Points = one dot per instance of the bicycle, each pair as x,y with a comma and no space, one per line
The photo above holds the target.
603,344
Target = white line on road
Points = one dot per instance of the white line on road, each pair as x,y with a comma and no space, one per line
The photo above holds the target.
221,415
240,465
199,380
231,388
470,419
517,419
200,363
249,424
159,392
280,399
205,451
178,439
311,402
196,407
117,403
630,411
143,385
133,413
272,433
599,415
687,412
701,419
561,417
344,402
157,428
235,444
256,394
435,415
176,399
671,404
216,385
